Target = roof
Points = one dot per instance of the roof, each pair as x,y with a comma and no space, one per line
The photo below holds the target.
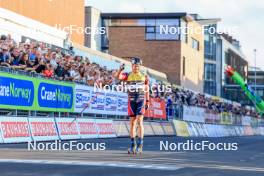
142,15
208,21
205,21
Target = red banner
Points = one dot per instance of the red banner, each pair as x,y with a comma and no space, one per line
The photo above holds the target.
43,129
157,108
15,129
68,128
87,128
105,128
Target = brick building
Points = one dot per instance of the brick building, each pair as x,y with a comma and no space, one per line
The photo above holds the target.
158,40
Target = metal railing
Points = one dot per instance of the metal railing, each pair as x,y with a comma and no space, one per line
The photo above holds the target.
175,111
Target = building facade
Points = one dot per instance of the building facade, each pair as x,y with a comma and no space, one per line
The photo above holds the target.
232,55
156,38
212,58
64,14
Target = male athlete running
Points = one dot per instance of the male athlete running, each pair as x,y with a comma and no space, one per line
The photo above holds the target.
138,102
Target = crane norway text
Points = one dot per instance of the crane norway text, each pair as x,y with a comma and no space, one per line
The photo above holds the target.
56,95
16,92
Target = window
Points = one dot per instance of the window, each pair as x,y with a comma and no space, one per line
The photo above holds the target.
184,32
150,29
162,29
183,66
195,44
210,72
150,32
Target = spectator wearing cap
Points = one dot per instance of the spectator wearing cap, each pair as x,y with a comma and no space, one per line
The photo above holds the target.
53,60
26,46
5,56
15,56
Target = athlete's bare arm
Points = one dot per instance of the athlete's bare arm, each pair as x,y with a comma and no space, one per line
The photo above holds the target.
147,92
120,75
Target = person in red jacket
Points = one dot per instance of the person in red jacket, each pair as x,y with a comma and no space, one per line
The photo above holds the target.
49,71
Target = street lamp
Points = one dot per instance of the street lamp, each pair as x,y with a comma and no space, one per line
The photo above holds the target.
255,57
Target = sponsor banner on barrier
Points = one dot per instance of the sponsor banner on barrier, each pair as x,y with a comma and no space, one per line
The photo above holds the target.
204,129
157,108
254,121
1,137
220,131
112,103
212,117
181,128
261,130
87,128
43,129
15,129
197,128
211,130
226,118
67,128
105,128
241,129
246,120
55,95
192,130
121,128
148,130
16,92
28,93
168,128
249,131
193,114
157,128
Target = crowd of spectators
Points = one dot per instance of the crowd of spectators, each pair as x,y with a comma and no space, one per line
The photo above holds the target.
215,105
37,57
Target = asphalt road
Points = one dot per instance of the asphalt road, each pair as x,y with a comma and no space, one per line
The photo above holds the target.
248,159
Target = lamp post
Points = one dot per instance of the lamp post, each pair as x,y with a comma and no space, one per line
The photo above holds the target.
255,58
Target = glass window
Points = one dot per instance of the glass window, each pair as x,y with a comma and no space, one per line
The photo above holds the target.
170,33
183,66
150,22
210,72
150,36
150,29
195,44
163,29
206,37
170,22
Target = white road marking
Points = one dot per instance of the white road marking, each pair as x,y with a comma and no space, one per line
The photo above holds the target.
87,163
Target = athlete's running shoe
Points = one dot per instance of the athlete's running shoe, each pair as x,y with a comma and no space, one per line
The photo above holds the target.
139,146
133,147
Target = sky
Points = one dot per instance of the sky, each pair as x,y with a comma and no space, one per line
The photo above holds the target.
245,17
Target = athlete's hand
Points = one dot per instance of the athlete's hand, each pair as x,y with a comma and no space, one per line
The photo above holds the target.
147,105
